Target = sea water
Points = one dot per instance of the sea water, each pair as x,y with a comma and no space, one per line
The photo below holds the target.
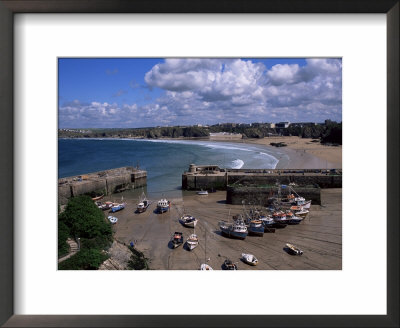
164,160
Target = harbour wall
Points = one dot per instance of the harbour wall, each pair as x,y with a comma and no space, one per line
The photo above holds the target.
103,182
258,195
213,177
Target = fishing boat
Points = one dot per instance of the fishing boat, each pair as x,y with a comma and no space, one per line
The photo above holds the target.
202,192
268,223
300,201
143,204
280,220
299,211
229,265
237,229
293,198
98,197
177,239
256,228
294,250
188,221
192,242
249,259
117,207
163,205
113,219
293,219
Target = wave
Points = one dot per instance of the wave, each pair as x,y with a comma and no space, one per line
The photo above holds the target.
237,164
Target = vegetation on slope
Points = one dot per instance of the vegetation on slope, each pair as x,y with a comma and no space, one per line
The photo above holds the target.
83,219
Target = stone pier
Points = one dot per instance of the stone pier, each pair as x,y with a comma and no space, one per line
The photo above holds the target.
103,182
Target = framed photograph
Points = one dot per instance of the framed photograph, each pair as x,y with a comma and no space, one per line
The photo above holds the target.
204,132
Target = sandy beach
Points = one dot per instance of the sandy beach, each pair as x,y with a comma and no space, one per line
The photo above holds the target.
300,149
303,153
319,235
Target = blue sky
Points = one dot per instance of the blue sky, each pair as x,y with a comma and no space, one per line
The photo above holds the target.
138,92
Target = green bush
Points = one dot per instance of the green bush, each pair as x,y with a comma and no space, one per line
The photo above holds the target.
138,261
84,219
85,259
63,234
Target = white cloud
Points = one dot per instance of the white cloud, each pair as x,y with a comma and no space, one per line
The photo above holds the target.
213,90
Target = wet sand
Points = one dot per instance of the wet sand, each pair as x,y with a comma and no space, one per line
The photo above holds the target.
319,235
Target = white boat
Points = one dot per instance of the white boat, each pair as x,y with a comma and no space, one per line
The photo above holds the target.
143,204
192,242
299,211
301,201
202,192
113,219
205,266
249,259
188,221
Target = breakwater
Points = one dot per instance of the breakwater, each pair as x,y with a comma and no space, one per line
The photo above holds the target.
103,182
259,195
212,176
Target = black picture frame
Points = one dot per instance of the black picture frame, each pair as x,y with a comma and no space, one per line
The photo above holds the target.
10,7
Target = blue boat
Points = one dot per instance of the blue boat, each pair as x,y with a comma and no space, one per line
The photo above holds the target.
163,205
256,228
292,219
117,207
237,229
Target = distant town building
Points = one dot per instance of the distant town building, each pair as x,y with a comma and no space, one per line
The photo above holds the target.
303,124
284,125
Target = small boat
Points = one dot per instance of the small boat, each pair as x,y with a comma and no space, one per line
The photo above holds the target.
98,197
163,205
202,192
113,219
229,265
256,228
294,250
177,239
117,207
192,242
188,221
237,229
249,259
142,206
205,266
104,206
299,211
293,219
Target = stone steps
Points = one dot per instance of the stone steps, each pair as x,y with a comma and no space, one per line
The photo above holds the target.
73,249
